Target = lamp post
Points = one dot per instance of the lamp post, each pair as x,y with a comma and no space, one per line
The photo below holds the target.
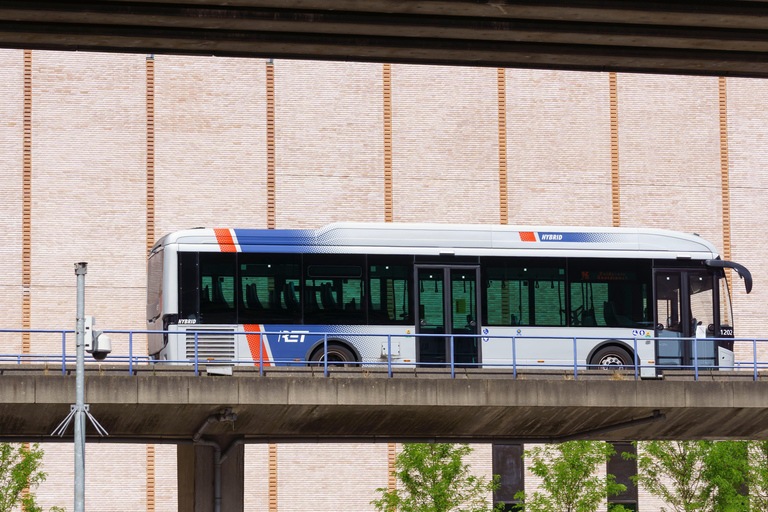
80,270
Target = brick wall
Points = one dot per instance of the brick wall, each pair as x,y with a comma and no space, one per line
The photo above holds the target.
89,194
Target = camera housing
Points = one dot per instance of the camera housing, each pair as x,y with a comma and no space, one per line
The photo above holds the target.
98,344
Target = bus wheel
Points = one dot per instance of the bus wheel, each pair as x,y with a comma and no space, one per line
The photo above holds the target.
612,358
336,354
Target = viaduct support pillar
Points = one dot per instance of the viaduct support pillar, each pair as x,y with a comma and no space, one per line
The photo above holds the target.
196,471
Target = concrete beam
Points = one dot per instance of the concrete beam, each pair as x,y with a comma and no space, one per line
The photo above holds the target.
299,404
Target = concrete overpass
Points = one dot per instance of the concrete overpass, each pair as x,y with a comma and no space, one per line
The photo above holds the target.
710,37
169,405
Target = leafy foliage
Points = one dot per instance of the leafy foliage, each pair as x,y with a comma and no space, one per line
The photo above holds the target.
569,477
435,478
19,470
696,476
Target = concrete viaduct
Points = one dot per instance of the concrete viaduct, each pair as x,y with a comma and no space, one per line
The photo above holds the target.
712,37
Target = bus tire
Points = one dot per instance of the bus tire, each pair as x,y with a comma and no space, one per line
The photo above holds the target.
612,358
337,353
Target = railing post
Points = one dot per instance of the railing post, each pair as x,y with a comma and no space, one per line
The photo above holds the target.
453,360
63,352
261,354
130,353
754,354
196,358
389,354
635,358
325,352
695,359
575,362
514,359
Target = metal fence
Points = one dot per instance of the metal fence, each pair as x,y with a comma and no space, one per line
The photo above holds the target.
133,360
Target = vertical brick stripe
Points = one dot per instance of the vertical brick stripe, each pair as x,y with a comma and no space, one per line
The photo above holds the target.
270,146
724,174
150,111
150,478
388,143
391,456
502,95
26,209
150,153
615,191
272,477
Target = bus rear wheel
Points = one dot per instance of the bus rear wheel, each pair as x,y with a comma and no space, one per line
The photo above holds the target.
336,354
612,358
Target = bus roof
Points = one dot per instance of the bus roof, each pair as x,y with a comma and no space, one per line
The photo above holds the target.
449,239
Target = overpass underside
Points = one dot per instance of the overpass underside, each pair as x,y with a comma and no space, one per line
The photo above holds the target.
169,405
709,37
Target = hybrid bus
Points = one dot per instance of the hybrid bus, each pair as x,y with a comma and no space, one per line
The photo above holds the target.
424,294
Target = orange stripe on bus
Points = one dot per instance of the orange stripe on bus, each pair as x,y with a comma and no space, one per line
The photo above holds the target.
224,237
256,346
527,236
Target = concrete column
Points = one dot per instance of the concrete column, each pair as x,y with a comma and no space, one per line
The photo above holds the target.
196,476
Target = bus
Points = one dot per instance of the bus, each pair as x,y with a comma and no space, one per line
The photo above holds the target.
437,294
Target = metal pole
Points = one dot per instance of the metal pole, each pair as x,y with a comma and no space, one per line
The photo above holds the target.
80,270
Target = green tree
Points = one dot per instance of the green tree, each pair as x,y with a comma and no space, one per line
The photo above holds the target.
757,475
570,479
435,478
726,470
19,471
675,471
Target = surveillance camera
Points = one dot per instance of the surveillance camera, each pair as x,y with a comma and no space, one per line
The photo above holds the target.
102,347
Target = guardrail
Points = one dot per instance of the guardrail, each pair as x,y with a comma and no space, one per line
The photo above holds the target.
132,359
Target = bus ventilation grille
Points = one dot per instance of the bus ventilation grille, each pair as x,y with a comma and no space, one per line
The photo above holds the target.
215,347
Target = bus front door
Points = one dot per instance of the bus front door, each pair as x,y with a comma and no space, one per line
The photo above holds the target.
685,307
448,304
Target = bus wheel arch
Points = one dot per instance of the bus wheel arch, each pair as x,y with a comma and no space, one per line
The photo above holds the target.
338,351
611,353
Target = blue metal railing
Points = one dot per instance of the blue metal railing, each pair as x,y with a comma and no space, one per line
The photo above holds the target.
450,365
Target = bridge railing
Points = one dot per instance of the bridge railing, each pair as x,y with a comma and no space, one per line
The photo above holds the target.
132,360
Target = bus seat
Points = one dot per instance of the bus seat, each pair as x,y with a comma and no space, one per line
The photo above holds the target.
289,291
326,296
218,294
251,297
609,312
310,294
514,320
205,298
588,319
350,306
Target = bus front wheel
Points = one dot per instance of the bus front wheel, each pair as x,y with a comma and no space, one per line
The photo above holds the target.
612,358
337,354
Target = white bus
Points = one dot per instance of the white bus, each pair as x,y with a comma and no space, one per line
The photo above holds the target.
610,289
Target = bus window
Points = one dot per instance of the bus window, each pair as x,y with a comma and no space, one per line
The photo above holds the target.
333,290
217,288
269,288
610,293
188,286
389,299
524,292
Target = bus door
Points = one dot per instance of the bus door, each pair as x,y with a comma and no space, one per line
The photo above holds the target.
448,299
685,308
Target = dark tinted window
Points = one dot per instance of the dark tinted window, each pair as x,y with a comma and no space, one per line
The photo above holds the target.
508,465
270,286
218,303
520,291
334,289
610,292
390,292
188,285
